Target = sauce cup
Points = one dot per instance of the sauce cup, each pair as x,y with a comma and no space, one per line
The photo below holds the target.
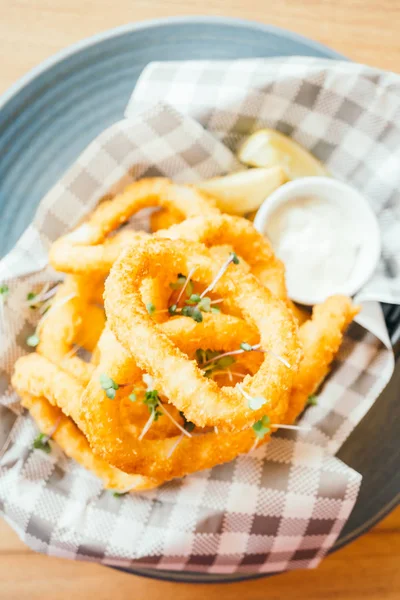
357,213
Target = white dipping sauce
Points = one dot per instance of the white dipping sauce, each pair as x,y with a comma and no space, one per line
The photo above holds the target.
317,244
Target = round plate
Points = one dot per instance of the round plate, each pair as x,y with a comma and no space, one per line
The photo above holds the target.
50,115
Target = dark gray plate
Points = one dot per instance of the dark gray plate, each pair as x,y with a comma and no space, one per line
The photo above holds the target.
49,117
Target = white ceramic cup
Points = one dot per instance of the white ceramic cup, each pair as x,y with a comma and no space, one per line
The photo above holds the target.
353,206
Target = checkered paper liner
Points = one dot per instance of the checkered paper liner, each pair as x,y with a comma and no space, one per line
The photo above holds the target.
280,507
346,114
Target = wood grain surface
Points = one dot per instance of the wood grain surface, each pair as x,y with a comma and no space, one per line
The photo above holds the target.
364,30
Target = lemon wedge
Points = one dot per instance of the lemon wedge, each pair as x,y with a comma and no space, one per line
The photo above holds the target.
243,192
268,148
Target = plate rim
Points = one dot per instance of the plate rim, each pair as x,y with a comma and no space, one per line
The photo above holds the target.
25,80
114,32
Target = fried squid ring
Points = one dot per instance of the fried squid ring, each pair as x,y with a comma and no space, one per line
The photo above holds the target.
202,401
324,330
225,332
203,451
74,319
163,219
246,241
320,337
87,249
44,379
52,422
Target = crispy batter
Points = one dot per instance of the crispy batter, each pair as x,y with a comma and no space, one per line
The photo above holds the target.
150,457
140,337
246,241
182,382
86,249
321,337
73,319
72,441
325,330
104,423
163,218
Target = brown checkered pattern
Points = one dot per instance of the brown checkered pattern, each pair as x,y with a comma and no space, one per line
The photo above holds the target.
280,507
347,114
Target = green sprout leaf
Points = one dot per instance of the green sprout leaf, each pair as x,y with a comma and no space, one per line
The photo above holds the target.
4,290
215,310
33,340
246,347
194,299
180,282
151,309
225,362
312,400
31,296
119,494
41,442
152,401
157,414
261,427
172,309
234,257
256,403
201,356
132,397
205,304
193,312
109,385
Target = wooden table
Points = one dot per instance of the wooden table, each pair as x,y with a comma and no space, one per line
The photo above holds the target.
364,30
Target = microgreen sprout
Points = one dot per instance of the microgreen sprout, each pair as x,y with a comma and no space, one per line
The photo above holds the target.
193,312
119,494
312,400
108,385
195,304
254,402
261,427
182,284
157,409
188,427
132,397
292,427
33,340
41,442
4,291
185,431
187,286
194,299
245,347
232,259
152,401
42,298
179,283
172,309
151,309
212,361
